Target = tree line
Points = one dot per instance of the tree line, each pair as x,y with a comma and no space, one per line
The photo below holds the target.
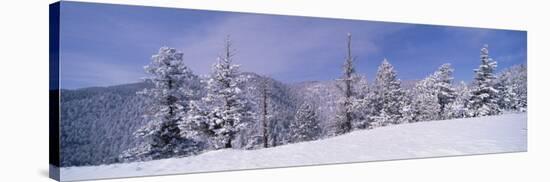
187,115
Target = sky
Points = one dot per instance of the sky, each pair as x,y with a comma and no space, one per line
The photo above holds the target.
103,45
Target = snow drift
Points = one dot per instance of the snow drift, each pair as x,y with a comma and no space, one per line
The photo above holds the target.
494,134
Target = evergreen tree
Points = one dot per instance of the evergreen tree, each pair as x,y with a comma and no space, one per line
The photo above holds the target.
457,108
195,122
512,86
432,96
444,89
507,98
362,106
425,102
520,80
264,94
169,98
305,126
382,119
228,110
484,96
388,95
346,112
407,112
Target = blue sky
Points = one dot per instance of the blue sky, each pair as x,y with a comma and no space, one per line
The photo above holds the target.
105,45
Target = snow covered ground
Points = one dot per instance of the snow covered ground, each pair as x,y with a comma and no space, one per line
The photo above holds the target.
505,133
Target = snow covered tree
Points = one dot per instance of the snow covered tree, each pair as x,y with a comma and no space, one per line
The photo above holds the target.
195,122
264,94
512,86
388,95
305,126
362,105
433,95
347,104
382,119
425,102
169,100
507,99
444,89
484,96
407,112
520,80
458,109
228,110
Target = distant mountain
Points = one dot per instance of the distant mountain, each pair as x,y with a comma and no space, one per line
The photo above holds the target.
323,95
97,123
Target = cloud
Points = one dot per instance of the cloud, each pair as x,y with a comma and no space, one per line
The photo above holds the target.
280,45
113,48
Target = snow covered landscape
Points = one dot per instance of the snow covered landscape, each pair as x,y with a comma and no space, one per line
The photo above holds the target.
222,100
482,135
178,122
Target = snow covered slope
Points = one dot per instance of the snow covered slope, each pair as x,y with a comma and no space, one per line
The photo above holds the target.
505,133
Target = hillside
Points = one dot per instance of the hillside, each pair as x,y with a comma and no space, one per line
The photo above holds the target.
495,134
97,123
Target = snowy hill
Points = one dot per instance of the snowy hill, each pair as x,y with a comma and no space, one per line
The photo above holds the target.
97,123
495,134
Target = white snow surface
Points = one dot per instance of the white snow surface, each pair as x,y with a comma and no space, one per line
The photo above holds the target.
493,134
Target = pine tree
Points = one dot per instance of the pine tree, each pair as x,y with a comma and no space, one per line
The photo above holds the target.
388,95
444,89
346,112
458,108
264,93
382,119
407,112
305,126
483,101
227,107
425,102
521,87
433,95
362,106
195,123
507,99
169,99
512,86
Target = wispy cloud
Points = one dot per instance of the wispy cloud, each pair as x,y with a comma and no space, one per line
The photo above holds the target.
278,46
106,44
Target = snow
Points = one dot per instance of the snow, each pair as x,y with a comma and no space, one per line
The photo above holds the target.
491,134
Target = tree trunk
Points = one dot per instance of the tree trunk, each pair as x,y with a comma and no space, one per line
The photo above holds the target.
264,114
228,144
348,88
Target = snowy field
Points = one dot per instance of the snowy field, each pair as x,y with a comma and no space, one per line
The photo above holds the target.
495,134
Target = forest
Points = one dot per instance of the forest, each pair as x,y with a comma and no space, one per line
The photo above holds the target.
176,113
